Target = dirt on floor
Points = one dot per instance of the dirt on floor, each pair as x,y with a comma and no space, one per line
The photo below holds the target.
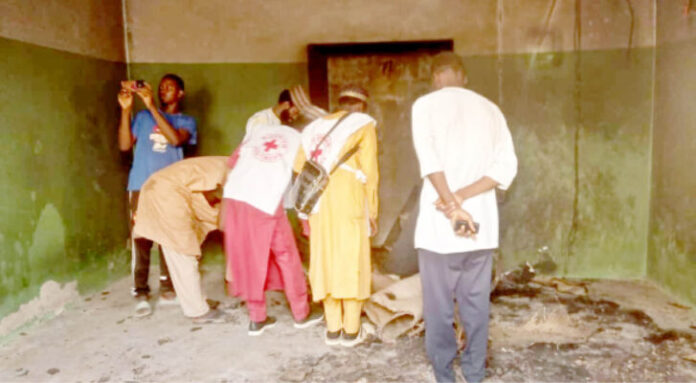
541,330
610,332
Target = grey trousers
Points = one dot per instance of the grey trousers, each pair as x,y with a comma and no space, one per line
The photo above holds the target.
466,278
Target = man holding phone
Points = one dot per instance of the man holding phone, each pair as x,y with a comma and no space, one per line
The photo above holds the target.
465,151
159,135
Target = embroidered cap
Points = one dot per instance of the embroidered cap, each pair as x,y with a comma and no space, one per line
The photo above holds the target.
354,91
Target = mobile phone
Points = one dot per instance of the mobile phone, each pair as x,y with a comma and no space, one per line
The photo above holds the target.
458,225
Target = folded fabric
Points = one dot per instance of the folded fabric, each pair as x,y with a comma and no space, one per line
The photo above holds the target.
304,104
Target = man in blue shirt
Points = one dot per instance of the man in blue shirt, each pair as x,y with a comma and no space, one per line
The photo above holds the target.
159,135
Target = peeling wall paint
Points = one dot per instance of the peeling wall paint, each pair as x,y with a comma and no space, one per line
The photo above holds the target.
59,121
47,243
540,103
50,301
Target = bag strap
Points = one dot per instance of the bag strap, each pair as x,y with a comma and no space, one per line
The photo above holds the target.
330,131
346,156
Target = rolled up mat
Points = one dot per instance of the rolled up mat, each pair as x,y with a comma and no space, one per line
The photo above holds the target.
397,309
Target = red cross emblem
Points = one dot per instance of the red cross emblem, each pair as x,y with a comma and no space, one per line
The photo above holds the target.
316,154
270,145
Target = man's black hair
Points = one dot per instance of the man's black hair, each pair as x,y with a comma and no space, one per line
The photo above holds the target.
179,81
447,59
285,96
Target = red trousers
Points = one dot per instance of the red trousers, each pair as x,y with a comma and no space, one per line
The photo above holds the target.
262,255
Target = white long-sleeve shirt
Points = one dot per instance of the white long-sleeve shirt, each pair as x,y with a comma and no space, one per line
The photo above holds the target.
464,135
262,173
266,117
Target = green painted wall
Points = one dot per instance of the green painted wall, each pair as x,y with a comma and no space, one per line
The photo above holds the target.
63,205
606,98
672,256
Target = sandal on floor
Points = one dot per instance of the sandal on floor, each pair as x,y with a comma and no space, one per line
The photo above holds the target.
143,309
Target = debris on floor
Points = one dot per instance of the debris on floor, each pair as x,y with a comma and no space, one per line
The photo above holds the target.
553,329
542,329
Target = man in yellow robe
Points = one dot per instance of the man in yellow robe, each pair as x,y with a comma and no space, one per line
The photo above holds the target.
345,216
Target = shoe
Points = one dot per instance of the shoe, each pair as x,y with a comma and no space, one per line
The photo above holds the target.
312,318
352,340
332,338
168,298
257,328
212,316
143,308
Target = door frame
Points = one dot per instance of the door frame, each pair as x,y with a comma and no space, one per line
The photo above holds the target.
318,59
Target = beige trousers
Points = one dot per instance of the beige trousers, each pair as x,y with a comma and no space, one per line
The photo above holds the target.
183,270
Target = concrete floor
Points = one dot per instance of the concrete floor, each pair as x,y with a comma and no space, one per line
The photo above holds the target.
597,331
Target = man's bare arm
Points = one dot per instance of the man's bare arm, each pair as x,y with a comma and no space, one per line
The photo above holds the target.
125,138
453,209
483,185
439,182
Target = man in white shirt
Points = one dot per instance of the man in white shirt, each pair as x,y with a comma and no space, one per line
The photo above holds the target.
465,151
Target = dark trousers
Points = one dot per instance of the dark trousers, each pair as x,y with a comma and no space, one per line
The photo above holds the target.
466,278
140,262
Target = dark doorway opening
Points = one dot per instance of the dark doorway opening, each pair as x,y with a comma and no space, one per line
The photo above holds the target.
318,59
